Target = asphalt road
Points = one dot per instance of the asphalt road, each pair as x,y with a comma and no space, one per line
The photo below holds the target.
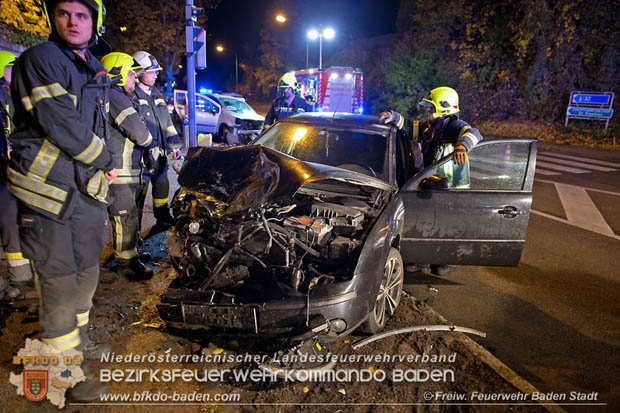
555,319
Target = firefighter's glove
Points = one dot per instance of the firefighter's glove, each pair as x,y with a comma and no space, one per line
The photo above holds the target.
460,154
391,117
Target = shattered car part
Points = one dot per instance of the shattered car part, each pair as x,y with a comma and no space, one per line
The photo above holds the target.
390,333
309,221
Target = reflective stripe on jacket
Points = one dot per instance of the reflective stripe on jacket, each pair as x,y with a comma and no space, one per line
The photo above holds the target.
58,142
155,111
128,135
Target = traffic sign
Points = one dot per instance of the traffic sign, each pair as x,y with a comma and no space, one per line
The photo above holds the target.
590,105
590,112
591,98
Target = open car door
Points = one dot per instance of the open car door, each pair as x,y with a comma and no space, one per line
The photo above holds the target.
482,224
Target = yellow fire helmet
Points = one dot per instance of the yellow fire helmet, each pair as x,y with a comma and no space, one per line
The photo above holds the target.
121,60
96,5
444,100
288,80
6,59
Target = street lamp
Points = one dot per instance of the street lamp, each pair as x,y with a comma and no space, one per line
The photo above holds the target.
328,33
280,18
221,49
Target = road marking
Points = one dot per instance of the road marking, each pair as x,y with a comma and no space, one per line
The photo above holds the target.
544,172
584,187
580,211
571,164
553,217
581,159
561,168
580,164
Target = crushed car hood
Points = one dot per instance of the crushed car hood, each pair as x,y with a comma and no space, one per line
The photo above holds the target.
244,177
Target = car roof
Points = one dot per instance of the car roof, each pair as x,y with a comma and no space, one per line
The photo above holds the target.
338,119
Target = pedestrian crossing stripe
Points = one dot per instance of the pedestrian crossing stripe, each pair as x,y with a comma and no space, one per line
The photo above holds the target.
580,211
550,163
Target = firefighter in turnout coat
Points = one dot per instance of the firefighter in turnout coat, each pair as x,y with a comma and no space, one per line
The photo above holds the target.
128,136
165,138
59,171
443,134
19,271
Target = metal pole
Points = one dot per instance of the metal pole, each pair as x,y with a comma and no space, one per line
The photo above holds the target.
321,51
191,87
236,74
307,46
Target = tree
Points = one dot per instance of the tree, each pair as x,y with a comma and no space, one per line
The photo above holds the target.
157,26
23,20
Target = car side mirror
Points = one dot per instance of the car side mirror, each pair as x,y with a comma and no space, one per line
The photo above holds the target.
435,182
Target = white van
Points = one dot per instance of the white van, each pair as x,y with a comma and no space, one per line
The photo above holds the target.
220,114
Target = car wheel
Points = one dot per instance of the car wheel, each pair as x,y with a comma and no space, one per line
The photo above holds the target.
224,129
389,294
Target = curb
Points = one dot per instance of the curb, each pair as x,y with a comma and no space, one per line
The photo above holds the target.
498,366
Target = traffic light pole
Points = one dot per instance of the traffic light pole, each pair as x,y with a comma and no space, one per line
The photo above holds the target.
191,72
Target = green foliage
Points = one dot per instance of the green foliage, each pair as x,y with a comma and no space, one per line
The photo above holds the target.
157,26
508,60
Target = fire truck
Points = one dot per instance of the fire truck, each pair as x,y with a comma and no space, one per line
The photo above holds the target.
334,89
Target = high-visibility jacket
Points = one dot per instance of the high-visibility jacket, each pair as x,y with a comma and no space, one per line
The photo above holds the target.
280,109
438,139
60,116
128,135
155,111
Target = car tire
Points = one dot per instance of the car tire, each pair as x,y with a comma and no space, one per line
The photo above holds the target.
224,129
388,297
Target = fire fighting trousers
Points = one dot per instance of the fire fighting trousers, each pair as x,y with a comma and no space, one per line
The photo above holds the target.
123,214
18,266
61,249
65,307
161,189
66,262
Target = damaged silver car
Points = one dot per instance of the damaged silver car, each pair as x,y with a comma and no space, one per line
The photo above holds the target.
305,232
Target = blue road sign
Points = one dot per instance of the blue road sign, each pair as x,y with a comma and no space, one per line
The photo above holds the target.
593,99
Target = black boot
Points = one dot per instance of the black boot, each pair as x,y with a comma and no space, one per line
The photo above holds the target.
133,269
163,217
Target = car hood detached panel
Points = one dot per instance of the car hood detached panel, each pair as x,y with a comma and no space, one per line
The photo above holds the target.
245,177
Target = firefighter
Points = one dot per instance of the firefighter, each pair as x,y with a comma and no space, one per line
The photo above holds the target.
19,271
288,102
443,133
155,111
128,136
59,171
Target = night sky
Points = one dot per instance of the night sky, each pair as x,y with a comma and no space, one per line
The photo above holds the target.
236,24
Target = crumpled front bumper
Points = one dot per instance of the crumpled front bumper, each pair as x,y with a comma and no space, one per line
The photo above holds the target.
214,309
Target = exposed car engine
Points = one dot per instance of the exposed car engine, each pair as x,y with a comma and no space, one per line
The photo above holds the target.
291,244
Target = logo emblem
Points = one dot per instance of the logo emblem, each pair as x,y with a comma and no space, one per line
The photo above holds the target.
35,384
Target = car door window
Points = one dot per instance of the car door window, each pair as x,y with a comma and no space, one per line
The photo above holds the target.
500,166
483,224
202,104
206,105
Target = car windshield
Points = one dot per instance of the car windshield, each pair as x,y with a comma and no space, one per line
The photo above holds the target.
235,105
354,149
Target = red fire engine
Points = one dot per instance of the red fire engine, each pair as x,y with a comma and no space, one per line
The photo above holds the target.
334,89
